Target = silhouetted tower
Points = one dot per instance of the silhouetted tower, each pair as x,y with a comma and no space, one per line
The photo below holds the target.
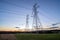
27,21
36,22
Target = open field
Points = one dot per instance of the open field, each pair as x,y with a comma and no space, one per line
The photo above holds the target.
38,36
27,36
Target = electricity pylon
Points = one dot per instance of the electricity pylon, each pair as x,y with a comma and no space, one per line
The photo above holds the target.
27,22
36,22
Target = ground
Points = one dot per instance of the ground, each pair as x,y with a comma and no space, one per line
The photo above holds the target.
7,37
29,36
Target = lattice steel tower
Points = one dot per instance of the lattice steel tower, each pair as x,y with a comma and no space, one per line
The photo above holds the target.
27,21
36,22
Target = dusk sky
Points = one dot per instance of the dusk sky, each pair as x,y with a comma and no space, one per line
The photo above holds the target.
13,12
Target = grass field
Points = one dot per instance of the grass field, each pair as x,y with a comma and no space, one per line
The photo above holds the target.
29,36
38,36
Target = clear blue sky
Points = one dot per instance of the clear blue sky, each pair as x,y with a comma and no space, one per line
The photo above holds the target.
13,12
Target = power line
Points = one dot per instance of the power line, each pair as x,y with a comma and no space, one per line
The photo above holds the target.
25,8
19,14
18,5
47,17
9,11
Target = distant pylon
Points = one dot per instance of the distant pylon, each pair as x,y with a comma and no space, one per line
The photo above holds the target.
27,21
36,22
